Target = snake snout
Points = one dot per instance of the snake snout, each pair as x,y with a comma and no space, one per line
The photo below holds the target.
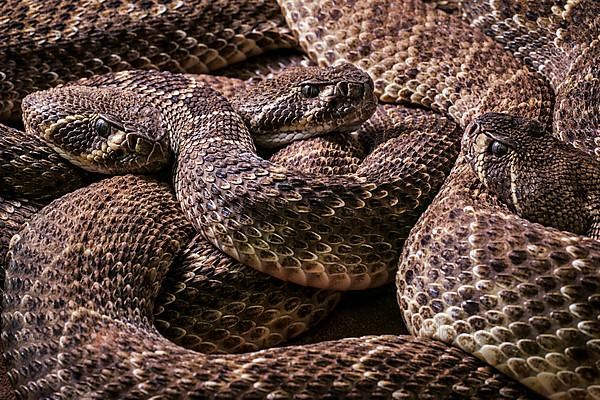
350,89
148,147
472,129
138,143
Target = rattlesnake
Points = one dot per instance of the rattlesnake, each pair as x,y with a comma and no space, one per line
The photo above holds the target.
420,83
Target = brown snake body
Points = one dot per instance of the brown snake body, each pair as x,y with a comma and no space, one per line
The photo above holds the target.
533,315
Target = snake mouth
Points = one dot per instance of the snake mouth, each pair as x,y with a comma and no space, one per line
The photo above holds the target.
279,139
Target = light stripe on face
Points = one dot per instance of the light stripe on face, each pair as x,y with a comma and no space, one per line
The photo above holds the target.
513,185
480,146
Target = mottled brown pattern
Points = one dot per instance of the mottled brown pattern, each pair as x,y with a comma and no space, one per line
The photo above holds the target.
516,294
51,42
519,295
212,304
254,210
6,390
510,156
267,65
333,155
30,169
547,35
13,214
450,274
105,332
419,54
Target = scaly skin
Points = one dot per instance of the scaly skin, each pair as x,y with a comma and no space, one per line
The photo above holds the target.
101,342
212,304
464,94
43,44
510,156
335,232
418,54
521,296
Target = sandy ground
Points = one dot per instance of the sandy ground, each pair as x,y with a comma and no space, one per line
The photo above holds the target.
368,312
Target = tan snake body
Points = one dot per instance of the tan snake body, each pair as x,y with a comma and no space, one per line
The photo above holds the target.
132,360
432,70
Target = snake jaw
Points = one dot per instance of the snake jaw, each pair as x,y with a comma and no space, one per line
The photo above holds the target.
150,150
279,139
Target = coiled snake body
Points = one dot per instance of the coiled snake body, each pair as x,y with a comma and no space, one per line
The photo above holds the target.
101,341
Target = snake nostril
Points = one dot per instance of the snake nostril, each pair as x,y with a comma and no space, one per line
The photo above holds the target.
358,90
350,89
472,129
342,89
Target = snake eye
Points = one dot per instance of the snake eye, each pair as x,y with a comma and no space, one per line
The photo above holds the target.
498,149
102,127
310,91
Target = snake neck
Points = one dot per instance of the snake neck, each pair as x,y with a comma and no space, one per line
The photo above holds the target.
335,232
201,119
321,231
299,228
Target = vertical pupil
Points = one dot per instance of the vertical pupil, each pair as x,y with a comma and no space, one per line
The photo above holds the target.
102,127
499,149
310,91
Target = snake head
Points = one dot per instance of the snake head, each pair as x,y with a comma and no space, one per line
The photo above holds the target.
537,176
302,102
77,122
